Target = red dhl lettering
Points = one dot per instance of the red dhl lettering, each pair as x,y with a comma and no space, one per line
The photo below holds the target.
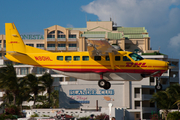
129,64
14,42
42,58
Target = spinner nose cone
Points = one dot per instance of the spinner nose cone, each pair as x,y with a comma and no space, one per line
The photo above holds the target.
171,66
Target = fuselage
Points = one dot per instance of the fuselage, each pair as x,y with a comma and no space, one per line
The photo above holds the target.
124,62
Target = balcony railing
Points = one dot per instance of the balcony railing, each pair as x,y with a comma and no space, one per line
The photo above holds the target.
72,39
50,48
50,39
137,107
148,109
72,48
61,48
137,95
152,83
61,39
146,97
174,79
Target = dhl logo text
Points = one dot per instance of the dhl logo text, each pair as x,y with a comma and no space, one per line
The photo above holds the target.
14,42
42,58
136,64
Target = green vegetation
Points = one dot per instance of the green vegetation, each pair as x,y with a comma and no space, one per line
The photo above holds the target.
168,99
173,115
26,88
155,53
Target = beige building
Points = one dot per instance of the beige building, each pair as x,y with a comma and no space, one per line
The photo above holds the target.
57,38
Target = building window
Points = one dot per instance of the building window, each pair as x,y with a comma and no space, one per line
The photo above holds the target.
32,45
85,58
61,45
40,45
71,79
151,91
137,115
72,36
59,32
58,79
72,45
60,58
52,32
51,45
117,58
50,36
24,71
76,58
152,104
68,58
97,58
61,36
40,70
125,58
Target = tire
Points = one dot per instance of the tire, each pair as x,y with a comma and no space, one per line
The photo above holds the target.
158,87
102,83
107,85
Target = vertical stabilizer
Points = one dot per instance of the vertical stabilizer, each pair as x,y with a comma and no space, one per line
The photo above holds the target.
14,43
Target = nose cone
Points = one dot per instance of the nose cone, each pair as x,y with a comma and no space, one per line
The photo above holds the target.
171,66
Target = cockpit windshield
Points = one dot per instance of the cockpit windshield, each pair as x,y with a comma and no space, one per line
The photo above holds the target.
135,57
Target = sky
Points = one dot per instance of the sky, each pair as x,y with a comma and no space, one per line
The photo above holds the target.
161,18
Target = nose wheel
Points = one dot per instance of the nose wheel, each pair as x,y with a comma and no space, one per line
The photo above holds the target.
158,86
104,84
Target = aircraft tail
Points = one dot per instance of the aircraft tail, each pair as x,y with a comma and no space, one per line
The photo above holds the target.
14,43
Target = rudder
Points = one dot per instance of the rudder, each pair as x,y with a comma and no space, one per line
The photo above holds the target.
14,43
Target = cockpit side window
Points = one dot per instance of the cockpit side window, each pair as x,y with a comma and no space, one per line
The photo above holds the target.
125,58
136,57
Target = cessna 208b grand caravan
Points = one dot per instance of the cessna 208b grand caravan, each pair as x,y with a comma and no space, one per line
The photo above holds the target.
102,62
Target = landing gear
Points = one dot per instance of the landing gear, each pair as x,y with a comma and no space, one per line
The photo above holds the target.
103,83
158,86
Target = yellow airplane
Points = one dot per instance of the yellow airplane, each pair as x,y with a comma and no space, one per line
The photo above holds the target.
102,62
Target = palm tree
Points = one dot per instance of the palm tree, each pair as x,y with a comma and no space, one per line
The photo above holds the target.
163,100
55,98
47,82
174,91
24,92
9,81
35,85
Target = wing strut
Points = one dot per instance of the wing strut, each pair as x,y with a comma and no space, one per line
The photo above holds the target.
111,60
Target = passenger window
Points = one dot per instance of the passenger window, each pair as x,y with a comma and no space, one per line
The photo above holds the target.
60,58
76,58
125,58
97,58
107,58
117,58
68,58
85,58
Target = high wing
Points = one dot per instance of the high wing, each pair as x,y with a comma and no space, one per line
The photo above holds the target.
100,48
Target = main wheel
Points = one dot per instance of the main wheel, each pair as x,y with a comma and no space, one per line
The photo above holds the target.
102,83
107,85
158,87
